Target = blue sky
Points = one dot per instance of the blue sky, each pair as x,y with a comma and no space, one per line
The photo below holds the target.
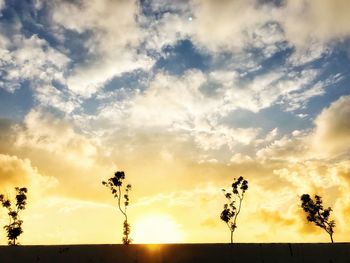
181,86
33,19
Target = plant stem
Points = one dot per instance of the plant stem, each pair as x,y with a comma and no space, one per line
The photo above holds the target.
121,210
325,224
238,211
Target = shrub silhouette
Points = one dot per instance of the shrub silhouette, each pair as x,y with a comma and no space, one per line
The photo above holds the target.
230,213
114,184
14,228
317,214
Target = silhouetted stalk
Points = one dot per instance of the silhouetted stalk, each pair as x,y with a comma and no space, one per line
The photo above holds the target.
114,184
326,226
125,224
238,211
230,213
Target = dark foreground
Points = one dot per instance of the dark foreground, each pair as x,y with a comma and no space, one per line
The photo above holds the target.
199,253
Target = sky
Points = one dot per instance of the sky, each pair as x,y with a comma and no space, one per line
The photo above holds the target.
183,96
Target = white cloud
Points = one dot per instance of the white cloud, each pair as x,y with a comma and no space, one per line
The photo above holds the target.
290,149
225,31
241,25
86,80
270,136
112,46
167,30
195,104
251,24
169,102
216,137
179,105
299,99
30,59
320,20
269,89
308,53
33,59
50,96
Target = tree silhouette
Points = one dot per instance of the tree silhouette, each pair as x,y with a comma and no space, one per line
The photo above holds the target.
14,228
114,184
317,214
230,213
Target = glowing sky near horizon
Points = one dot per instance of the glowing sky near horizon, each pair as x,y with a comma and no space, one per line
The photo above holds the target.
183,96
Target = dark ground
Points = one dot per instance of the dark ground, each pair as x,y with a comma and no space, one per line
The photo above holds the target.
199,253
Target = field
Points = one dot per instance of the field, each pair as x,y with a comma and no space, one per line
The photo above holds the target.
178,253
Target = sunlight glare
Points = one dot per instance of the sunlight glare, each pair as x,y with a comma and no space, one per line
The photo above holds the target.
157,229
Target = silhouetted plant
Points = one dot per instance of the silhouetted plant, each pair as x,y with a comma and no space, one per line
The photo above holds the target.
14,228
317,214
231,211
115,184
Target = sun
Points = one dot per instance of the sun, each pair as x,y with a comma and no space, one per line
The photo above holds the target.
157,229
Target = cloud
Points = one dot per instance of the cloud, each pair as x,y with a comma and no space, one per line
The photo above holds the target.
199,110
312,177
307,20
2,5
220,135
219,90
329,138
168,30
110,51
275,87
43,131
244,25
194,113
20,172
332,133
252,28
227,31
290,148
308,53
343,171
54,146
30,59
49,96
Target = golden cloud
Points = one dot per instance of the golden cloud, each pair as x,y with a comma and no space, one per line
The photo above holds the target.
20,172
332,133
